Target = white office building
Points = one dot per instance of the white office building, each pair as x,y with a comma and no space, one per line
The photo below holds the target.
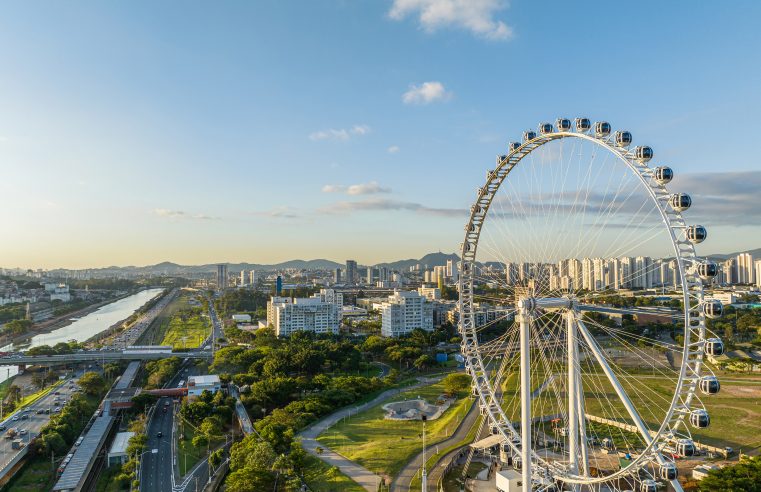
404,312
199,384
745,268
757,265
320,313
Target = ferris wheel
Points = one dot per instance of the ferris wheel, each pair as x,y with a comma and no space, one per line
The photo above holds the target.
582,312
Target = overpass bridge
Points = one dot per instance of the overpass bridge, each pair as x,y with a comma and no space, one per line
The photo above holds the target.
97,356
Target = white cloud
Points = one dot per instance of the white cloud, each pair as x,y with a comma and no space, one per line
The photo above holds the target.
180,214
426,93
340,134
283,212
476,16
370,188
333,189
393,149
382,204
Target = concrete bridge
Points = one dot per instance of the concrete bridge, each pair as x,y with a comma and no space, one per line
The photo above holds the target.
97,356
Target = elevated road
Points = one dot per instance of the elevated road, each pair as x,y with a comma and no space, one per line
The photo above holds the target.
97,356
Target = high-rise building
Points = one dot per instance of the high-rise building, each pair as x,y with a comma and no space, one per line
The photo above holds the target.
315,314
598,281
242,278
279,285
729,271
745,272
351,272
337,276
370,275
221,276
587,274
642,277
453,270
404,312
252,278
614,273
757,265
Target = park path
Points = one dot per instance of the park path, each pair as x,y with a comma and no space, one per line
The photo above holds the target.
364,477
402,481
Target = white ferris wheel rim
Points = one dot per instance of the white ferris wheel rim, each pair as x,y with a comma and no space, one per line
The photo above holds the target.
691,287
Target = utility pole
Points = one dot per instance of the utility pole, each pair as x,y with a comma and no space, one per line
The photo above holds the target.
424,476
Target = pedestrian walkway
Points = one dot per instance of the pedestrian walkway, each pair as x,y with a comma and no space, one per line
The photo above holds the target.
364,477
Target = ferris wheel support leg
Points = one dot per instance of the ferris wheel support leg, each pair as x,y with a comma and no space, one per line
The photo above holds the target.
573,396
525,338
575,445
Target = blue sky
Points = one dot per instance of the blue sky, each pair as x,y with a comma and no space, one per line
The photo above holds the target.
137,132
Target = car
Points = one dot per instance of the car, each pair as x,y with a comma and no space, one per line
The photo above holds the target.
160,434
2,428
22,432
57,393
25,416
47,411
40,411
15,417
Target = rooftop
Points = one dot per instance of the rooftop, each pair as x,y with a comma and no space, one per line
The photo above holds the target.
121,441
205,380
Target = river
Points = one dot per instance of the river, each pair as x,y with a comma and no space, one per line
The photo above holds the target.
83,328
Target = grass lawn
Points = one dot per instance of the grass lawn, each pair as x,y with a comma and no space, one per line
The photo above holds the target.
36,475
189,455
735,411
320,476
368,438
156,332
186,330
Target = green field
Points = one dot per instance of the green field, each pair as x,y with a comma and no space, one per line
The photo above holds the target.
735,412
187,328
320,476
156,332
368,437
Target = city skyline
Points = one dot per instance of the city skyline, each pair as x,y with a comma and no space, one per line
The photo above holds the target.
130,141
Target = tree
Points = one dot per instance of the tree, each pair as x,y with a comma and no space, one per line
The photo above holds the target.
38,380
200,441
745,476
455,383
423,361
13,395
92,383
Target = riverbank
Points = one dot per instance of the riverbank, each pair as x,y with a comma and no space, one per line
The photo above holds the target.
48,326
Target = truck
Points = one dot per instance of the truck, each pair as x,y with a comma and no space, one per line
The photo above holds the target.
11,434
17,444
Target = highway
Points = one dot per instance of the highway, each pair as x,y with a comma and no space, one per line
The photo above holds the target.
158,472
34,422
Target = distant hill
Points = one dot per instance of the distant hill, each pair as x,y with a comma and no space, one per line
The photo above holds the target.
170,268
756,253
430,260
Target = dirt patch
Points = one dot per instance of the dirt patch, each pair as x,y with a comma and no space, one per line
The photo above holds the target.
741,391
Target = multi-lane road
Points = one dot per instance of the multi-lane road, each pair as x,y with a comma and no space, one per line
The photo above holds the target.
159,470
31,421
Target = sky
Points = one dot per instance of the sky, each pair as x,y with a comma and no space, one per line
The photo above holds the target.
198,132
